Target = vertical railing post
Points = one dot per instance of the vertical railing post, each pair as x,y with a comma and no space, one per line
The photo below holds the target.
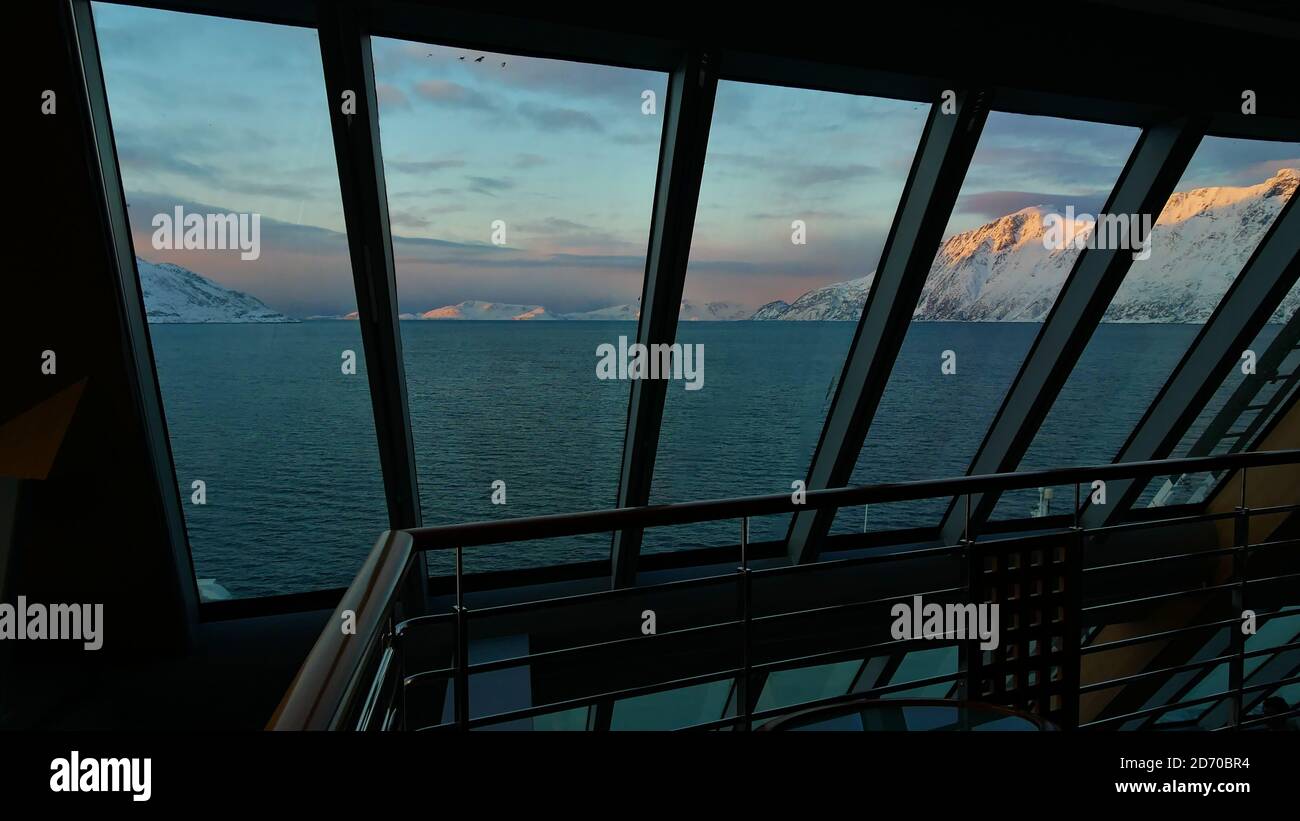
1072,638
396,639
742,689
462,645
970,574
1240,543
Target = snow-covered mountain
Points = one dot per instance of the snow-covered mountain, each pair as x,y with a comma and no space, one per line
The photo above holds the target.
619,312
357,315
688,312
474,309
173,294
843,300
1002,271
1201,241
712,311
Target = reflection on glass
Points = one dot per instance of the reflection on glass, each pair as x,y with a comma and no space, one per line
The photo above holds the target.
919,665
799,191
673,709
223,140
1222,207
787,688
519,192
1241,409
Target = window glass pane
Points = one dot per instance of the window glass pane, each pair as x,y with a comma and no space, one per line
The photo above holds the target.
519,192
1258,670
1222,207
942,690
787,688
224,122
1215,681
799,192
1173,689
566,720
922,664
673,709
991,285
1240,410
1272,633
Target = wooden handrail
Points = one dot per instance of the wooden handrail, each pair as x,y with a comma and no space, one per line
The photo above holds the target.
329,678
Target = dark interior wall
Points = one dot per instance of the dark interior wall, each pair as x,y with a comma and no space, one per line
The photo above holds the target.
1188,56
91,530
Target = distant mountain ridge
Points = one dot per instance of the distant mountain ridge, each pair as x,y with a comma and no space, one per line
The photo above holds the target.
476,310
998,272
473,309
841,301
1002,271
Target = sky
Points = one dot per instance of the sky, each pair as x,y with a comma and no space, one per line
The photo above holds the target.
231,116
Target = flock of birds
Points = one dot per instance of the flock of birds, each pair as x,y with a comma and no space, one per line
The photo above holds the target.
479,59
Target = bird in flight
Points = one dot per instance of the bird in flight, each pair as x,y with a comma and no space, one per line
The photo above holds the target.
480,59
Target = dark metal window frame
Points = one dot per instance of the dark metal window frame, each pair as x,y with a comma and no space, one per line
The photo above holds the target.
344,29
1153,169
1257,431
1250,301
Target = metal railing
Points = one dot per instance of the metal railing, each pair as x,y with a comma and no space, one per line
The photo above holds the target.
359,680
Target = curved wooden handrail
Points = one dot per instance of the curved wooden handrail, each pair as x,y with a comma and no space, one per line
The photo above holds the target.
328,679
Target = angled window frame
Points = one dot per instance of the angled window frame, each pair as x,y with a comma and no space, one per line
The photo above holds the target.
1154,166
952,528
388,406
1245,308
692,89
686,68
1048,104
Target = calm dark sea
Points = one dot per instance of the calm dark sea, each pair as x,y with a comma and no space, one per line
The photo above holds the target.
285,443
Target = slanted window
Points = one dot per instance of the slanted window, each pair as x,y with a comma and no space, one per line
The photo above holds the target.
519,195
1033,184
228,166
798,194
1229,195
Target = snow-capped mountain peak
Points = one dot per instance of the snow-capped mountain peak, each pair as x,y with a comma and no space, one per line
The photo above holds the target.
688,311
173,294
1004,271
1185,205
843,301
